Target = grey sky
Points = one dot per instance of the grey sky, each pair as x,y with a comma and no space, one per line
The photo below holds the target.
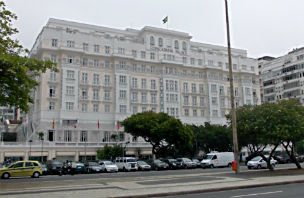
262,27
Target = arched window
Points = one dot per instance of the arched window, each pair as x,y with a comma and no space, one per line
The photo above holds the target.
184,45
160,42
152,41
176,44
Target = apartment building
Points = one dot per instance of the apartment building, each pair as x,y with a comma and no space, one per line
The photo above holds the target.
106,75
282,77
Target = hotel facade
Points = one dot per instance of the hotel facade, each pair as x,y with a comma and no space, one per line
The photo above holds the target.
106,75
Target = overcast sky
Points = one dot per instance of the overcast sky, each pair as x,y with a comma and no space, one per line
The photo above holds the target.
262,27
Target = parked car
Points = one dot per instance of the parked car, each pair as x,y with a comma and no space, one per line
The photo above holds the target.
78,167
54,167
259,163
22,169
282,159
173,163
108,166
197,162
142,165
157,164
92,167
218,159
126,163
186,162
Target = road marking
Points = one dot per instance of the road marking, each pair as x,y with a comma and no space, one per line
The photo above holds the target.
265,193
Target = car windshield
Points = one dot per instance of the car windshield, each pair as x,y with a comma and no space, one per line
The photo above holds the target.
131,160
56,163
187,160
142,163
172,160
108,163
179,160
209,157
93,164
157,161
256,159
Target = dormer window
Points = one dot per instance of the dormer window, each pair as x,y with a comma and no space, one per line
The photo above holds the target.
160,42
184,45
152,41
176,44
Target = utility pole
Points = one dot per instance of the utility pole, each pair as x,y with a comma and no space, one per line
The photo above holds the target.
233,113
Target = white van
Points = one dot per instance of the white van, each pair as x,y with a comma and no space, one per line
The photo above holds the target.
218,159
126,163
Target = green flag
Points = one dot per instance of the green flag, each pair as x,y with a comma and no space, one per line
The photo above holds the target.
165,20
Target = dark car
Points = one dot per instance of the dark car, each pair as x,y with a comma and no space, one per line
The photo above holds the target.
78,167
282,159
157,164
197,162
173,163
142,165
54,167
92,167
186,162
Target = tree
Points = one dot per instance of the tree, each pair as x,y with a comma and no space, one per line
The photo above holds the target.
18,72
108,152
160,130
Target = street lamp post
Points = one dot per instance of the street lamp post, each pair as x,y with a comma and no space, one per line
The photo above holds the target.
233,113
124,148
30,141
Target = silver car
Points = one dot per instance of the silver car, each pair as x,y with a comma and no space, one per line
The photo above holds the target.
108,166
259,163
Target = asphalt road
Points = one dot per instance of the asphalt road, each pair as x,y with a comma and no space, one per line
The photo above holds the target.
290,190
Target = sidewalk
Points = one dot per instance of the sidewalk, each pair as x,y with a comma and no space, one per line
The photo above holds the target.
163,185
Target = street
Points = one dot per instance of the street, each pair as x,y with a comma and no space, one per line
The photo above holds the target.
290,190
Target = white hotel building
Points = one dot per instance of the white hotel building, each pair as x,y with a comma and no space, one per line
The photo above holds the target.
106,75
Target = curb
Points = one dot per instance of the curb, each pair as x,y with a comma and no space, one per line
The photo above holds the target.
208,190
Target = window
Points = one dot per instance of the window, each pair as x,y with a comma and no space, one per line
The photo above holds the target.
70,74
134,67
52,92
236,92
68,136
122,80
121,50
96,48
192,61
84,94
51,134
107,49
200,62
122,94
95,107
70,90
160,42
176,45
222,90
134,83
95,94
96,63
186,100
184,45
214,101
84,62
143,68
122,65
85,78
153,98
122,108
52,75
134,53
144,83
143,54
71,44
54,42
69,106
152,42
107,108
202,113
143,109
153,84
107,80
52,106
194,112
201,89
184,60
210,62
234,66
84,107
186,87
215,113
252,68
213,88
186,112
143,97
85,46
96,79
134,109
134,96
202,101
53,58
222,102
107,95
247,91
244,67
70,59
84,136
194,101
152,69
152,55
193,88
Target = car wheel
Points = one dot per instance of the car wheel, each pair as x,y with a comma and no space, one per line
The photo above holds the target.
249,167
36,174
156,168
5,175
259,166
